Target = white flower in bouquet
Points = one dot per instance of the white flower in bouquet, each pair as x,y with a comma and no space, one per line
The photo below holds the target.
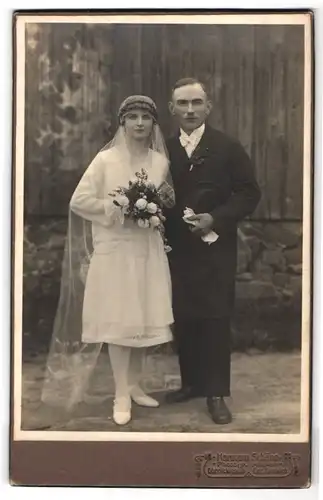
150,185
141,204
143,223
154,221
152,208
122,200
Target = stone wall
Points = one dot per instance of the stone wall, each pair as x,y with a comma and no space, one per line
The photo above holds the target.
268,286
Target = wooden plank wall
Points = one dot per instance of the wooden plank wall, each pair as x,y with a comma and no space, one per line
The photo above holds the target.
254,75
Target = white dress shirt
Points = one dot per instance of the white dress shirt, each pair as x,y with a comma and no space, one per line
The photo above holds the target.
190,142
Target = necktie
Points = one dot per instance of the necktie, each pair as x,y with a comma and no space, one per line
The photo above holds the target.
188,144
185,141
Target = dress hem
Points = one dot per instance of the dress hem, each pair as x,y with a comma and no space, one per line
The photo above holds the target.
139,342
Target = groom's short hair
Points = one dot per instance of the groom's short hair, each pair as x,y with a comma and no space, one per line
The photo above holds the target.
189,81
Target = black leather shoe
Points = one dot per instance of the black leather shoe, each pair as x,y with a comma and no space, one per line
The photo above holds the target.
218,410
179,396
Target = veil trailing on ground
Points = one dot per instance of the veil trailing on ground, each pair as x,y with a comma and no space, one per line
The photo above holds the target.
71,362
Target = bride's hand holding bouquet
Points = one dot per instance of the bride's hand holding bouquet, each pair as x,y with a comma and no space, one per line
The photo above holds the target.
142,203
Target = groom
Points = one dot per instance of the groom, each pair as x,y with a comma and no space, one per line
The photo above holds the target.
213,176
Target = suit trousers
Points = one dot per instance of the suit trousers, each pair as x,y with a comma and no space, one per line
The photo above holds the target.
204,351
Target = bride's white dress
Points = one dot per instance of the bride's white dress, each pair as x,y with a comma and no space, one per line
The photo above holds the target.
127,299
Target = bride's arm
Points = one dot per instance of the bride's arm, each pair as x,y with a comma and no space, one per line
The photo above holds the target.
160,170
86,201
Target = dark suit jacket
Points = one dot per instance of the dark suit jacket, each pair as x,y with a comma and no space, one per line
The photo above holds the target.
222,183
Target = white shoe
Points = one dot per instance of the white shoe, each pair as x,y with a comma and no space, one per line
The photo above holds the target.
142,399
122,410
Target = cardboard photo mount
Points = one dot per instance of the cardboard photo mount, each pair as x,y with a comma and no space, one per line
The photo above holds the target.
160,459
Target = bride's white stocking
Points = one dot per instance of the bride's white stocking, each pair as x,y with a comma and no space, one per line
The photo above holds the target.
137,357
119,358
136,367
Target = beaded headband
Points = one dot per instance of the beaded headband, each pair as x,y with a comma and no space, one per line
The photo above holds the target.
137,102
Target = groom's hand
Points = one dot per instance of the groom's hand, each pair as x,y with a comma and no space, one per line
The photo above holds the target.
203,223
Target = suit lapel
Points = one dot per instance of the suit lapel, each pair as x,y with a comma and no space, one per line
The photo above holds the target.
202,147
180,161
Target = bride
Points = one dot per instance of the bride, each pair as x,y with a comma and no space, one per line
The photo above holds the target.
118,291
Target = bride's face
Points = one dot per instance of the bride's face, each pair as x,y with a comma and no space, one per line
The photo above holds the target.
138,125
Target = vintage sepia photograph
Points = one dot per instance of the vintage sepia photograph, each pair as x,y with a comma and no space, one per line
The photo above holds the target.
162,228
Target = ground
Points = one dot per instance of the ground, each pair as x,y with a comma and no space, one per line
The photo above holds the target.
265,399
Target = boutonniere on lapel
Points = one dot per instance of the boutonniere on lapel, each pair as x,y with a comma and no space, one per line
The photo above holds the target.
197,159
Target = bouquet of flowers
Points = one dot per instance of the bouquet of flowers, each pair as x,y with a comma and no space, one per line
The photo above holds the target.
142,203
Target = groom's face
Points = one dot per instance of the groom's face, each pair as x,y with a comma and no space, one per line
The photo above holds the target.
190,106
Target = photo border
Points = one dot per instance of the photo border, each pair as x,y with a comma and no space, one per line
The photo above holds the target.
23,442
